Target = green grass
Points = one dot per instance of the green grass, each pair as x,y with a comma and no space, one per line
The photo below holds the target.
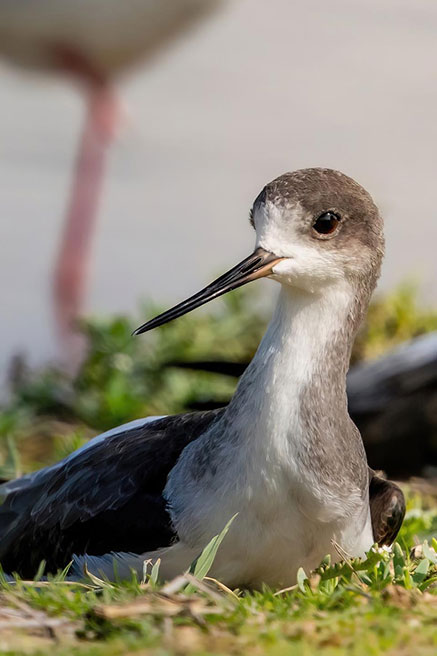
385,604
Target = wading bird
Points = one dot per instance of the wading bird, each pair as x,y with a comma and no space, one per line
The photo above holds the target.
93,42
393,401
284,454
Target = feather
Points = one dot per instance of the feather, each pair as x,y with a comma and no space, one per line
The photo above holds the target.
387,509
103,498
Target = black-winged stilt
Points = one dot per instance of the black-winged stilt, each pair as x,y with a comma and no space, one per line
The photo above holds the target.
284,454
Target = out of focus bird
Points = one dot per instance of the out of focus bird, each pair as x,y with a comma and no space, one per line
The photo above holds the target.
93,42
283,457
393,401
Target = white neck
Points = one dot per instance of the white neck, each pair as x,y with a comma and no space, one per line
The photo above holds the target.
304,353
285,446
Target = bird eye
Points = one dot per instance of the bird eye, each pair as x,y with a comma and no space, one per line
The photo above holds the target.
327,223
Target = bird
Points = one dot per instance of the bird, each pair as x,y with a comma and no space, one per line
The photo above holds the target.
283,458
392,399
92,42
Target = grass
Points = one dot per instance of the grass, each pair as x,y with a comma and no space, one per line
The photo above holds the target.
385,604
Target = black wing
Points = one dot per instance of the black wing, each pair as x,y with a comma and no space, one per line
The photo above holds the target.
105,498
409,368
387,509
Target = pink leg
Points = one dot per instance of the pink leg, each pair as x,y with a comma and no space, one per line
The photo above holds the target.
72,265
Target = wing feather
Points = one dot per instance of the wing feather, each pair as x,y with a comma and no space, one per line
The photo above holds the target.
387,509
105,497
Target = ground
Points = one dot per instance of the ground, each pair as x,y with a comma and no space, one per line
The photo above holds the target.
386,604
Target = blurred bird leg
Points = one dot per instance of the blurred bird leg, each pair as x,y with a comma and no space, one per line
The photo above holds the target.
73,262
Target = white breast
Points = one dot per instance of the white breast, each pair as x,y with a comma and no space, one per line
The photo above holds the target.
250,463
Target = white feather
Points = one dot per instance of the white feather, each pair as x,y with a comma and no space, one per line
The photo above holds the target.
286,517
33,477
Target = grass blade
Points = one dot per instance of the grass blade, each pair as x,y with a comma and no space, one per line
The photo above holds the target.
203,563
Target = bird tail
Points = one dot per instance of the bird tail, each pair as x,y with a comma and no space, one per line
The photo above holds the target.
114,566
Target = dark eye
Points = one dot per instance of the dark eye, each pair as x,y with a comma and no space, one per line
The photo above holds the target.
327,223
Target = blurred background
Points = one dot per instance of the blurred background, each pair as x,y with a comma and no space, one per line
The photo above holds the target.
194,108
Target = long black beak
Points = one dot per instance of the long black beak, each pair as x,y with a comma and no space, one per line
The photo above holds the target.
257,265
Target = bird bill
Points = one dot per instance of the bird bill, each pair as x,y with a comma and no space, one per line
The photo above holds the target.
259,264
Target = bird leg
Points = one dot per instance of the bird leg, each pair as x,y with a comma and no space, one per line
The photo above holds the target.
73,261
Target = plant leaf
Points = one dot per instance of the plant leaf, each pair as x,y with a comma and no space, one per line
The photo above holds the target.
203,563
154,573
421,571
429,552
301,578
